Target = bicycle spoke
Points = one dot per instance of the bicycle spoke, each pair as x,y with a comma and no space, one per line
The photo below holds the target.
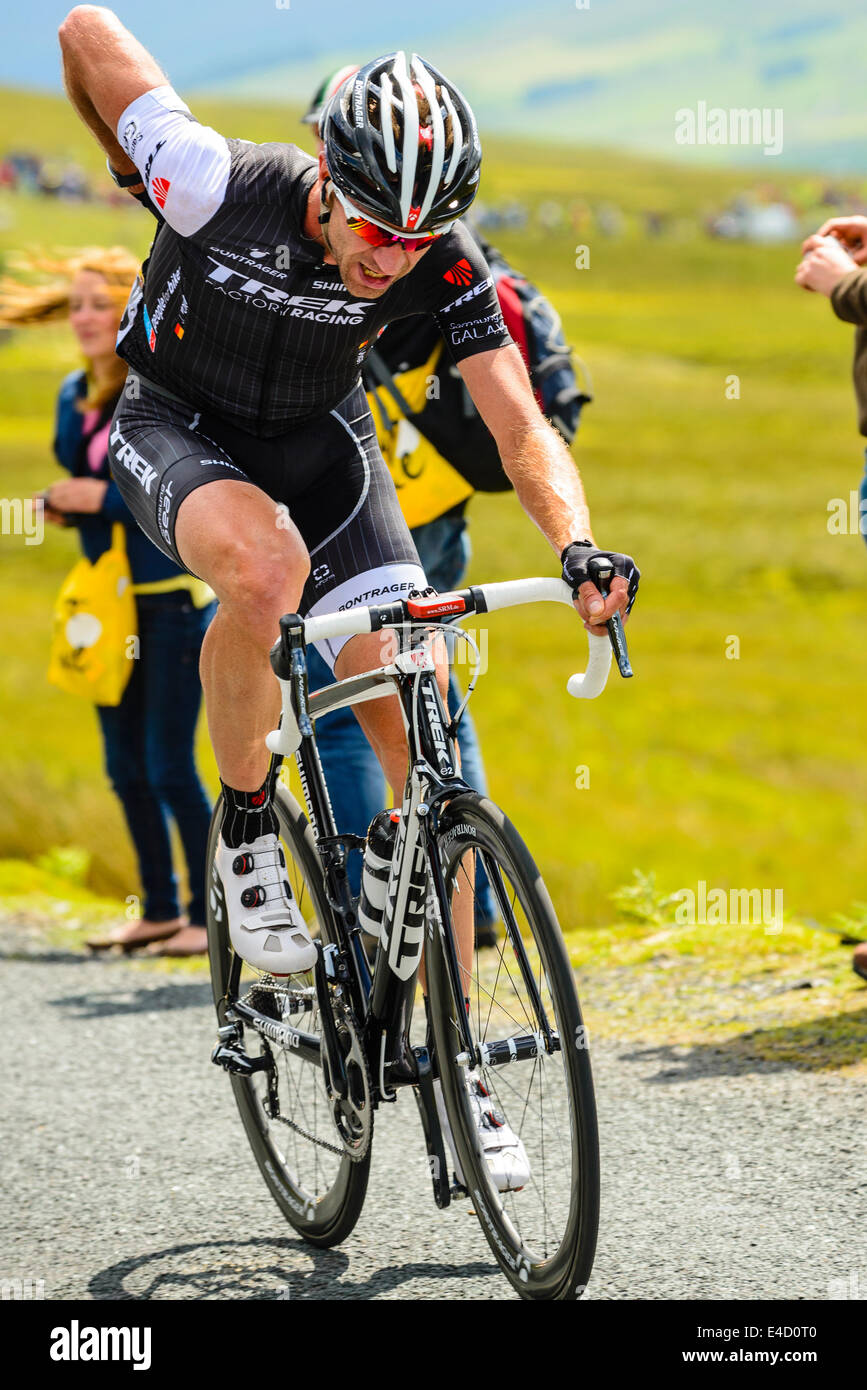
532,1097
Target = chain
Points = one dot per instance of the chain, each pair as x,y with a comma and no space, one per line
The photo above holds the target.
321,1143
273,1105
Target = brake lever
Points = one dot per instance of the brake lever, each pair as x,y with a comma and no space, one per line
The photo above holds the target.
602,572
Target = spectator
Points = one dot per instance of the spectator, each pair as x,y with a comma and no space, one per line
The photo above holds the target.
835,264
148,737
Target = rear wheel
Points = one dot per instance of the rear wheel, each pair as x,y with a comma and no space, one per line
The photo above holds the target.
313,1176
529,1058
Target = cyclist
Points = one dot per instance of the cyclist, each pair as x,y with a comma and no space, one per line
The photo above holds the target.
243,443
354,779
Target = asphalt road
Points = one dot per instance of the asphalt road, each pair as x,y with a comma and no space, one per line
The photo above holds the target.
127,1175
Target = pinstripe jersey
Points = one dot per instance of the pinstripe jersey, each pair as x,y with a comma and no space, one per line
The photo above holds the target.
237,312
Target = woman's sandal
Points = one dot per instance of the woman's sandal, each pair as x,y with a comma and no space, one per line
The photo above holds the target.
187,941
148,932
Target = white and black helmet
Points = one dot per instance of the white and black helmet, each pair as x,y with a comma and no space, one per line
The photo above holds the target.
401,144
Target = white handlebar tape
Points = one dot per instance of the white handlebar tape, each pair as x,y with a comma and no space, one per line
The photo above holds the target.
287,739
592,682
348,624
514,591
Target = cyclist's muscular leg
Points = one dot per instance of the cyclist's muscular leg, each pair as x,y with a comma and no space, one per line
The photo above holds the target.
382,722
227,533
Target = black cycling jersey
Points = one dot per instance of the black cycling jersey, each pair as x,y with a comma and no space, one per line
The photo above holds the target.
237,313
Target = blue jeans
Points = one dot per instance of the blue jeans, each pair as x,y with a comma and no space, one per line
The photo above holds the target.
149,753
352,771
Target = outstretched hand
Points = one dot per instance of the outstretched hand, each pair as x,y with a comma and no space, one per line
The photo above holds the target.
851,231
824,265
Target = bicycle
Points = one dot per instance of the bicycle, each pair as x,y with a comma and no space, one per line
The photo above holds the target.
313,1058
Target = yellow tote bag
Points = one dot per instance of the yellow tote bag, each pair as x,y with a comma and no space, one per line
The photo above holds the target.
426,483
94,620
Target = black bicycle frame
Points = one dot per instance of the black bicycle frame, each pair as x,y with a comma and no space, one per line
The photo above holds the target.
384,1004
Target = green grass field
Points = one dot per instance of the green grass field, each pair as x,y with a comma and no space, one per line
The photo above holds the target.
744,773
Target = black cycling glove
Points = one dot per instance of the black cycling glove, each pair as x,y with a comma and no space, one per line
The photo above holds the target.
575,559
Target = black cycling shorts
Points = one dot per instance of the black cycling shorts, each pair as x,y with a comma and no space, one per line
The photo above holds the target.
328,473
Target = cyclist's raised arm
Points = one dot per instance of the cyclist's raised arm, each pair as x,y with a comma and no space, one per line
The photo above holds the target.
122,94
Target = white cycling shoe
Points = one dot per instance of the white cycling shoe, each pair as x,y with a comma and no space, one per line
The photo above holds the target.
502,1150
266,927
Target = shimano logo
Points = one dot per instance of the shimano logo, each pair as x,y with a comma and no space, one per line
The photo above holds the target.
279,1033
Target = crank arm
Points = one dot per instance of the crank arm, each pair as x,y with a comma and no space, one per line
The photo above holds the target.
331,1049
430,1123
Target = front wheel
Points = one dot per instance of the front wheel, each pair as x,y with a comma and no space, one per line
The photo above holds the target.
529,1061
285,1109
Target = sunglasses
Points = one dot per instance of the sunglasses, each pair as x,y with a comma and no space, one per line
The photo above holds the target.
378,236
375,235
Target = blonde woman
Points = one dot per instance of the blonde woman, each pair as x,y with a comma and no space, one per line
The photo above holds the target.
148,737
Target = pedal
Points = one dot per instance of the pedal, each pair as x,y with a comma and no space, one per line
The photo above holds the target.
233,1058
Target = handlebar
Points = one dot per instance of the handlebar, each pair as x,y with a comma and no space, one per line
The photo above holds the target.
479,598
438,608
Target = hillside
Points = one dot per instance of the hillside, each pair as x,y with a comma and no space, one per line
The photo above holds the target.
607,73
745,772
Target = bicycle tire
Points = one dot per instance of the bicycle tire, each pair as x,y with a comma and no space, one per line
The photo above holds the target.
321,1218
544,1264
